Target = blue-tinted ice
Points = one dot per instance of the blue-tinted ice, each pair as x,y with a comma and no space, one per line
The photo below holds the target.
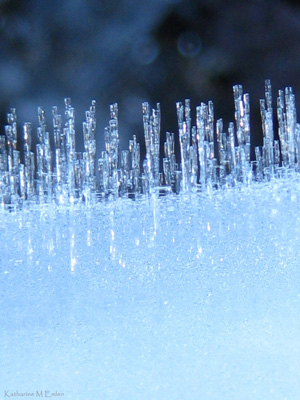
191,295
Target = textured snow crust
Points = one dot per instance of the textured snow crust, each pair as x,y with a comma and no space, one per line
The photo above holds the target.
179,297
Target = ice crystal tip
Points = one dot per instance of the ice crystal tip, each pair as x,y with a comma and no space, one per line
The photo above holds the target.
210,157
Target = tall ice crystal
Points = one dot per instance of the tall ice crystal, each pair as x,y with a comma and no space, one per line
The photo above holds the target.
173,278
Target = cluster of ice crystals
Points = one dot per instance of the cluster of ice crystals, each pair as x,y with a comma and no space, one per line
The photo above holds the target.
187,296
210,157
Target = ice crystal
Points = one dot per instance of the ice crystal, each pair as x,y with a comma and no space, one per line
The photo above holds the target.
210,157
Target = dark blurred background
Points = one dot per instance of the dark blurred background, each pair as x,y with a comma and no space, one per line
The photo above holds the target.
133,51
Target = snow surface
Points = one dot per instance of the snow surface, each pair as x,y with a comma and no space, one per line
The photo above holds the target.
182,297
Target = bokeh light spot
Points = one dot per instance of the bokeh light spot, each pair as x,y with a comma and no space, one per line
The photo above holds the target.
189,44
